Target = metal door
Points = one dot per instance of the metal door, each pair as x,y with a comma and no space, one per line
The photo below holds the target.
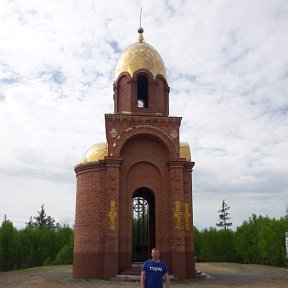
140,229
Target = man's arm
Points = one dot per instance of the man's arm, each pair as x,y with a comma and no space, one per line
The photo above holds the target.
142,279
166,280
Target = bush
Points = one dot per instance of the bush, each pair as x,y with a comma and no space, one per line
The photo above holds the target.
260,240
34,246
65,255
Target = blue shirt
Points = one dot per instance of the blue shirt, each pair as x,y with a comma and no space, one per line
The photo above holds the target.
154,273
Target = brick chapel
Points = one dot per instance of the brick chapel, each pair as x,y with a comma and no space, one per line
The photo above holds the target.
134,192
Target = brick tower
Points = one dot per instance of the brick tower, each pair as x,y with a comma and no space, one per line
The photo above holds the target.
141,167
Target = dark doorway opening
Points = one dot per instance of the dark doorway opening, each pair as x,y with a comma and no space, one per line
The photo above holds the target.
143,224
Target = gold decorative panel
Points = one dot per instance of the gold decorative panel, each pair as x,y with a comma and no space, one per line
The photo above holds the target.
177,215
187,216
112,214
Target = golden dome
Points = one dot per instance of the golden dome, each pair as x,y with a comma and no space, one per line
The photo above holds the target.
185,151
140,55
95,153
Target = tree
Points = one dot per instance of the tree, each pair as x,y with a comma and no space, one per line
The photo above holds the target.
42,221
7,245
286,214
224,216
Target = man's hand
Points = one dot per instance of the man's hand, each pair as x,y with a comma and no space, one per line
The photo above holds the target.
142,279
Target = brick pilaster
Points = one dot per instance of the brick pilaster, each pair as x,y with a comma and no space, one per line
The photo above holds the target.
112,217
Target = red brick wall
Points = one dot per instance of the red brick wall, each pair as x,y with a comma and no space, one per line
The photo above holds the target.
125,93
90,212
90,222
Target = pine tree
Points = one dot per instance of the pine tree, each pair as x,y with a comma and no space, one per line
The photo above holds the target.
42,221
224,216
286,214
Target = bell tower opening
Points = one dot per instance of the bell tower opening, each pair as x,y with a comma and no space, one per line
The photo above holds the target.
143,224
142,92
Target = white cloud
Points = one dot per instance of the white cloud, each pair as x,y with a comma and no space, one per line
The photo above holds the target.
227,69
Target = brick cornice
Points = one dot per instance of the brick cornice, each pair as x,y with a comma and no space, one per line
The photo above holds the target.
176,163
143,119
112,161
189,166
89,167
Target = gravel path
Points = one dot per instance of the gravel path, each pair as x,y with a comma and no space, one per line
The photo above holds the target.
216,275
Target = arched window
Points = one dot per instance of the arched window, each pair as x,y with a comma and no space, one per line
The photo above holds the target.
142,92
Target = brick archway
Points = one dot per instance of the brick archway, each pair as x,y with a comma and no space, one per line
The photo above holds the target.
141,130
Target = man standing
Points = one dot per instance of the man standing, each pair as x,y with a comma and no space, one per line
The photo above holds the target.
153,271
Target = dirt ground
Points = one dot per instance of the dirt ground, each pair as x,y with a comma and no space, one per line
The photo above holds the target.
216,275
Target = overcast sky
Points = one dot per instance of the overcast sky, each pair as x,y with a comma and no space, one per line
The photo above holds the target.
227,66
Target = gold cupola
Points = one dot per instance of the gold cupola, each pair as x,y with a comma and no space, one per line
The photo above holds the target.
95,153
140,81
140,55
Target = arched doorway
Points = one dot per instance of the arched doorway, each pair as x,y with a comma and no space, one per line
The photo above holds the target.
143,224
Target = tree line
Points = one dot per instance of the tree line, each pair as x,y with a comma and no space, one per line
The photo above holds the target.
41,242
259,240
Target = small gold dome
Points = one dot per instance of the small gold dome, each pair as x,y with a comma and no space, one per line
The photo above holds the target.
185,151
95,153
140,55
